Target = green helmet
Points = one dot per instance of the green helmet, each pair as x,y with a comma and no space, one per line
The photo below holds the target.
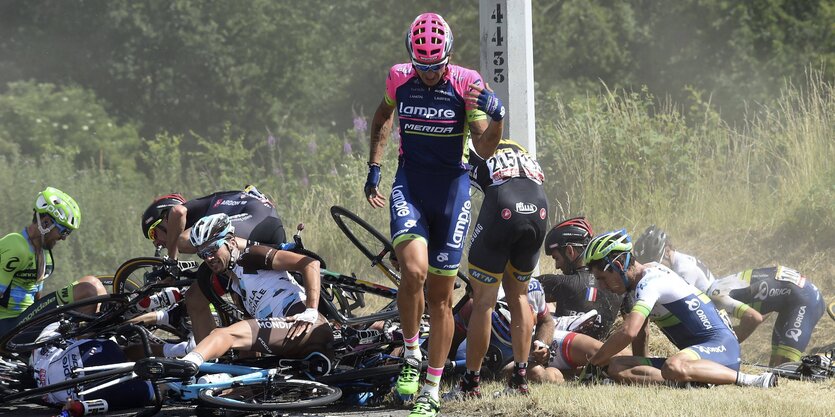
60,206
600,247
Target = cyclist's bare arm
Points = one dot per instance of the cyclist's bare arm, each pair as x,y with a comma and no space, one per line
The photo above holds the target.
380,130
633,324
640,346
308,267
486,135
177,237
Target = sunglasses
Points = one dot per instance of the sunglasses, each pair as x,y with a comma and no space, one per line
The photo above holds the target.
152,231
431,67
210,249
62,230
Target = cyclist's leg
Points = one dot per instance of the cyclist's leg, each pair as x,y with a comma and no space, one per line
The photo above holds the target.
86,287
478,329
487,260
794,326
636,370
715,361
267,336
515,285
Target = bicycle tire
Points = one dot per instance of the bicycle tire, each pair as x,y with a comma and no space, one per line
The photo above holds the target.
21,339
831,310
373,244
92,379
276,395
123,279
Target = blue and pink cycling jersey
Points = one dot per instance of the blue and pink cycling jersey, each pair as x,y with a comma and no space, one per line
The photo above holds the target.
430,195
433,120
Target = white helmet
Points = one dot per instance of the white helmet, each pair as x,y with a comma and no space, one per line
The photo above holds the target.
211,228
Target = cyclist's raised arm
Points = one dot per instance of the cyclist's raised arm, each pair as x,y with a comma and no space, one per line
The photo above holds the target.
177,238
485,132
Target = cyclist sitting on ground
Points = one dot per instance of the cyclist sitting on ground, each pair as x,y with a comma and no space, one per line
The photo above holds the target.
749,295
438,105
169,219
709,349
26,260
578,299
285,318
510,228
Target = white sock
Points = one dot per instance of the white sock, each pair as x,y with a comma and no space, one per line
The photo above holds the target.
743,379
195,358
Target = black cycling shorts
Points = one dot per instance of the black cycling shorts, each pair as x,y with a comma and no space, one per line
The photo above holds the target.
509,232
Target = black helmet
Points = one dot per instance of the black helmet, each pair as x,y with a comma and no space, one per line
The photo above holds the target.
154,213
575,232
649,247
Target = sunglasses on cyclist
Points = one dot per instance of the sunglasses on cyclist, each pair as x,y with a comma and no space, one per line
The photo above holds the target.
63,230
152,231
210,249
430,67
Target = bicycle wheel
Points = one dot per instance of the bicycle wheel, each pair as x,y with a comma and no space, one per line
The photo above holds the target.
373,244
287,394
88,381
135,273
24,337
831,310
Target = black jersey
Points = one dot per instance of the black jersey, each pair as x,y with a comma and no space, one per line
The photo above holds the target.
254,218
577,293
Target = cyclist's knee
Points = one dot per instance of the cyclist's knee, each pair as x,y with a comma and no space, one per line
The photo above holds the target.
675,369
87,287
411,284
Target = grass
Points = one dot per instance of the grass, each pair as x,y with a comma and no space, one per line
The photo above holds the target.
788,399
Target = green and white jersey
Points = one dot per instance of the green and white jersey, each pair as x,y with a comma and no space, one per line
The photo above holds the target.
19,274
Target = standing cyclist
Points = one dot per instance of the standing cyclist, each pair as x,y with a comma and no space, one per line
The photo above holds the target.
438,105
26,261
508,233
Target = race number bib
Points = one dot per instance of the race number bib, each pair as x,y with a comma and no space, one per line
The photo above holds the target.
790,275
510,163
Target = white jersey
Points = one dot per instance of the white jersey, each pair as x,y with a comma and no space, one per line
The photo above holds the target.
683,312
536,299
692,270
267,293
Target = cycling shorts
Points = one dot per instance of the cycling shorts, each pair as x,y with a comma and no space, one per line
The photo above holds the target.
434,208
561,350
509,232
794,326
271,336
723,349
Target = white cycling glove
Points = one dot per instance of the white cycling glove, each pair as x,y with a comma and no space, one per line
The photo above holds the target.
310,315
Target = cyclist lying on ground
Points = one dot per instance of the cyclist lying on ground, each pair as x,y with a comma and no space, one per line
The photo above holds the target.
575,293
709,349
749,295
52,364
27,261
285,318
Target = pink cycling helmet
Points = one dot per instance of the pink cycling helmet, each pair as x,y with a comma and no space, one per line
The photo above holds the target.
429,38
